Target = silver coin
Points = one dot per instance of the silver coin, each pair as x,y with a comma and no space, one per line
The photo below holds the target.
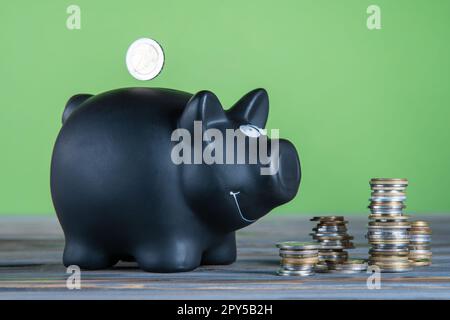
387,246
415,237
295,267
145,59
387,211
334,247
329,234
387,198
333,229
347,271
388,231
390,246
353,268
356,268
388,227
419,252
388,192
379,238
389,185
391,219
329,241
386,207
282,272
298,252
388,234
420,236
297,245
393,250
375,232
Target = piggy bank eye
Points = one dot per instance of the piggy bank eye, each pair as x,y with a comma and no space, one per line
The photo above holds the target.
251,130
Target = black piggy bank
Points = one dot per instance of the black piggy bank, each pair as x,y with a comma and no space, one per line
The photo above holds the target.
133,178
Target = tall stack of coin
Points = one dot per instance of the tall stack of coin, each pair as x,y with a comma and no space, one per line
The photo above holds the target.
388,226
331,233
298,258
419,243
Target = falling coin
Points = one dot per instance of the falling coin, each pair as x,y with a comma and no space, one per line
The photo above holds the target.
145,59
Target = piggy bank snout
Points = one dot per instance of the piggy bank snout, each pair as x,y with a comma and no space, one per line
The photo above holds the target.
287,172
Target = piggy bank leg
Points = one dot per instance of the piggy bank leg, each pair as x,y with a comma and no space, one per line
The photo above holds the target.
86,256
222,253
176,256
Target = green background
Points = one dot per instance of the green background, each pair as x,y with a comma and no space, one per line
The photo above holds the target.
357,103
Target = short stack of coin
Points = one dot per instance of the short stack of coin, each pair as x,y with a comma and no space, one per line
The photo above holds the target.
388,228
298,258
419,243
331,233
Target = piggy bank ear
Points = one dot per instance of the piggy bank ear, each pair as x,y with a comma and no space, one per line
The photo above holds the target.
73,104
253,108
204,106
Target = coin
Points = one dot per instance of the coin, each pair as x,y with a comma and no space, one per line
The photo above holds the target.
388,217
419,223
298,252
387,225
387,205
420,237
297,267
145,59
397,211
330,228
399,188
296,245
328,218
352,266
296,256
420,231
295,261
283,272
388,181
404,253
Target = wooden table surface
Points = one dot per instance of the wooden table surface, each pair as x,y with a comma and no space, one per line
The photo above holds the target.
31,268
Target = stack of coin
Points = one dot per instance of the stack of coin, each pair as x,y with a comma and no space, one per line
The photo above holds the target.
419,243
331,233
298,258
388,226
